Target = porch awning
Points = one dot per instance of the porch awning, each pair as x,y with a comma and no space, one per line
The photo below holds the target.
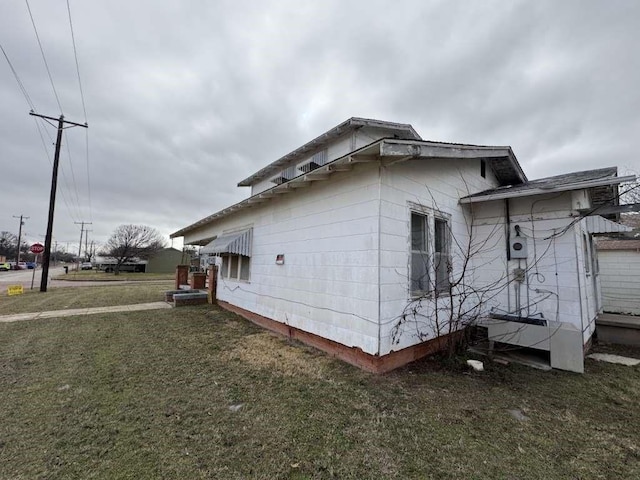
598,224
238,243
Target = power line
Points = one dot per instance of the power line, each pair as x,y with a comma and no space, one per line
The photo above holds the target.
75,54
84,108
88,176
73,175
44,58
52,198
17,77
64,178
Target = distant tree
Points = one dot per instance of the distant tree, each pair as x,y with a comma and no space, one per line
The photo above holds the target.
133,241
8,244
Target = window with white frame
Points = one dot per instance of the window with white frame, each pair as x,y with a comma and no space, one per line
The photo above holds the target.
430,262
235,266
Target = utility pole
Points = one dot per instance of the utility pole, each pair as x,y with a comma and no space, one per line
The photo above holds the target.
82,230
21,217
87,253
55,254
52,197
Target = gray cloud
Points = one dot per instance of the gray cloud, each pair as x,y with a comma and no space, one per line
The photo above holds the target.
185,99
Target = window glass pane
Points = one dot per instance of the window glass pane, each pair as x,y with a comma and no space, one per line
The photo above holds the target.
234,266
225,266
442,262
441,258
245,262
440,233
418,232
419,272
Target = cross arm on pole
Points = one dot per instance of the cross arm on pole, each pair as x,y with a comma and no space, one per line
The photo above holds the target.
84,125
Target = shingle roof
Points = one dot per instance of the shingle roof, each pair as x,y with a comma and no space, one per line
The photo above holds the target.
558,182
618,244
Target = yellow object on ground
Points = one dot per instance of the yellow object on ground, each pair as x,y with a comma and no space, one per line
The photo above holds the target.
15,290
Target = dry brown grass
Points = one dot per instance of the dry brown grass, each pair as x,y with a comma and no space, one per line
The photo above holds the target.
267,351
148,395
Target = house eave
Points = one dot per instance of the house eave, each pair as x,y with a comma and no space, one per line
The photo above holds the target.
320,141
390,149
543,191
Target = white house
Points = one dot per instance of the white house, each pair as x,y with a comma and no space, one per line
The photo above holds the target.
375,245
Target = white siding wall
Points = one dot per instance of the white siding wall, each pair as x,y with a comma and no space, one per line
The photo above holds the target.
553,281
338,148
557,285
620,281
328,234
432,183
335,150
554,284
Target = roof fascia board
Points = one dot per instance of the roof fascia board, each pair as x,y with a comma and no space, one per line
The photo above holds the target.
542,191
332,134
416,149
423,148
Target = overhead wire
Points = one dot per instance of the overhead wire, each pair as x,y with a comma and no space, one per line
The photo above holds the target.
64,178
18,80
73,175
32,106
44,58
84,109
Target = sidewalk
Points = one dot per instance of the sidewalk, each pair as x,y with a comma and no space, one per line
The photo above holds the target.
18,317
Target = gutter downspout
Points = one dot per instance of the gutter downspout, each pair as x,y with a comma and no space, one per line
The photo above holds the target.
380,171
508,239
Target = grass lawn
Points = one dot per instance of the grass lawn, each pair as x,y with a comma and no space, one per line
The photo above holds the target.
94,275
148,395
81,297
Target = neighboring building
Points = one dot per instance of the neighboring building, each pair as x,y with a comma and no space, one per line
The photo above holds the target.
166,260
620,275
372,243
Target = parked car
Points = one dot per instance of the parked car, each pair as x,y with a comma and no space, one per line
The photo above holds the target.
21,266
31,265
86,266
5,266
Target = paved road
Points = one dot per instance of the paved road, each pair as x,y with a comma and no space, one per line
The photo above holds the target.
23,277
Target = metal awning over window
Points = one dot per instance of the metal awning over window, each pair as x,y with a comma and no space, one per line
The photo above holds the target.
598,224
238,243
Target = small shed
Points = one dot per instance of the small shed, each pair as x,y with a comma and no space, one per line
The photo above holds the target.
165,261
620,275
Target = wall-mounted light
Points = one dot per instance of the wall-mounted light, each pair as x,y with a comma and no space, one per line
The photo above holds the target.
280,259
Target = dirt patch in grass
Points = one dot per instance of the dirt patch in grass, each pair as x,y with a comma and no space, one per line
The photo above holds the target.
267,351
83,297
149,395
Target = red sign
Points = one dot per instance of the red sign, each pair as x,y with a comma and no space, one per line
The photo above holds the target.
36,248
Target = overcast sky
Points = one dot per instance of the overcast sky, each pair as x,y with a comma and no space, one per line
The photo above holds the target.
186,98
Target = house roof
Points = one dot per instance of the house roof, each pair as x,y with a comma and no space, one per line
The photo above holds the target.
390,151
404,131
618,244
559,183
